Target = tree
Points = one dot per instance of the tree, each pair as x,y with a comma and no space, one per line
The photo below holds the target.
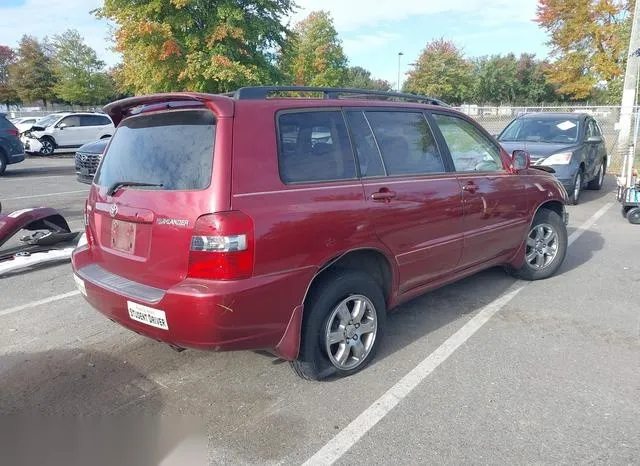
443,72
80,74
315,57
589,41
33,71
532,79
196,45
359,78
496,79
8,93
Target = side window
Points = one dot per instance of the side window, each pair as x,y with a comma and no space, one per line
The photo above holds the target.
365,145
314,146
470,149
406,143
70,121
102,120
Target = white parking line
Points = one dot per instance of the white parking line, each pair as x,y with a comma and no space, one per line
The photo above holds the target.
43,195
40,302
350,435
29,178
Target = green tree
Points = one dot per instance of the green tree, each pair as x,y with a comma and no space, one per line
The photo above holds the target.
589,41
443,72
80,74
315,57
532,79
33,71
8,92
496,80
360,78
196,45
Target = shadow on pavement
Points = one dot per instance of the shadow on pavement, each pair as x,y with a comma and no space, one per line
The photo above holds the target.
57,401
16,172
580,252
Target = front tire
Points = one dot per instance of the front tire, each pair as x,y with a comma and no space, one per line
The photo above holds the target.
546,247
577,187
48,146
343,324
3,163
596,183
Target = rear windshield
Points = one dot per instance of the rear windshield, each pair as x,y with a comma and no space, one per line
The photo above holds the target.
172,149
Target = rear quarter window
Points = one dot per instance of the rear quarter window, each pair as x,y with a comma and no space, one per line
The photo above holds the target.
174,149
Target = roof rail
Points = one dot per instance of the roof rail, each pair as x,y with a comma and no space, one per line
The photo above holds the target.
263,92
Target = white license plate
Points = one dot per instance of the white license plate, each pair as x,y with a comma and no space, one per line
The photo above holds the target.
147,315
80,284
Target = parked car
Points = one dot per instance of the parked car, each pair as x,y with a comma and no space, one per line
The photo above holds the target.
11,149
66,131
88,158
24,123
572,144
259,222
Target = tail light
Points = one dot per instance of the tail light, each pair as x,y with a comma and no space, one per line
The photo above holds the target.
222,247
12,132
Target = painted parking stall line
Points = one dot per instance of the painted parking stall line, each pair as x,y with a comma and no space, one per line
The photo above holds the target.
35,196
40,302
342,442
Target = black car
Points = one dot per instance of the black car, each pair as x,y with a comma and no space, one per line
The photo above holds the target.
11,149
88,158
570,143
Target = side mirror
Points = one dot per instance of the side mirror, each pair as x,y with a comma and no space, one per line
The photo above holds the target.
594,139
520,159
62,125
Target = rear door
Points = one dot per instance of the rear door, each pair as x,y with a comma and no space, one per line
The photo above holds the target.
415,204
144,233
494,199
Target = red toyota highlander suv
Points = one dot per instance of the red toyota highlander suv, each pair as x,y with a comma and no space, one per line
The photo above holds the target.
256,221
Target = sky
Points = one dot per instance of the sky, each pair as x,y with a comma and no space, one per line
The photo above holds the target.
373,31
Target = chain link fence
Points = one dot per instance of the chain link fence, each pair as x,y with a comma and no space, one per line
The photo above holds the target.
495,119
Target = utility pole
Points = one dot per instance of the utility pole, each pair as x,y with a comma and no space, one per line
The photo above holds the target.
400,54
625,146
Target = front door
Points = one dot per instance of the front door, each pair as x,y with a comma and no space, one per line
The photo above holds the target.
494,199
69,132
414,200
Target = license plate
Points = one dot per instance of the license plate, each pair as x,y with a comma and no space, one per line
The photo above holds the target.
80,284
147,315
123,236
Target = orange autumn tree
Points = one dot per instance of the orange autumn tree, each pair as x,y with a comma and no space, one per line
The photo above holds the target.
588,40
196,45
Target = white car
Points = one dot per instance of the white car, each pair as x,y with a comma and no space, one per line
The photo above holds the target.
66,131
24,123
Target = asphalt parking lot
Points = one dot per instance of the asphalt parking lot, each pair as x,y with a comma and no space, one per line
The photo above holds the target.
486,371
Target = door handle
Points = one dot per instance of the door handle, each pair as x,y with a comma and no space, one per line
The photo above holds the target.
470,187
383,196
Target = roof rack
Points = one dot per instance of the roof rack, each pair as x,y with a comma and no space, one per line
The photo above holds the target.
263,92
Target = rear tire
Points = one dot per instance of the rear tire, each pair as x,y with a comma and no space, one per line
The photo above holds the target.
343,324
596,183
545,248
634,216
3,163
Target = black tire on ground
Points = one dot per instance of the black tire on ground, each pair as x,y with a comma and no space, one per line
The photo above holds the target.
313,361
596,183
634,216
3,163
549,220
574,195
48,146
625,210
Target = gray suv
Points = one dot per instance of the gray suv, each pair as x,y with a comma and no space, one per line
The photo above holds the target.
11,149
570,143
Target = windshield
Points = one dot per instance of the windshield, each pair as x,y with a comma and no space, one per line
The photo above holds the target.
48,121
552,130
173,149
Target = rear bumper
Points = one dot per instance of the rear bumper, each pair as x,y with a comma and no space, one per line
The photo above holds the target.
15,158
239,315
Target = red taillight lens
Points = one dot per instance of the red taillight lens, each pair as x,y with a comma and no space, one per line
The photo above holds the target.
12,132
222,247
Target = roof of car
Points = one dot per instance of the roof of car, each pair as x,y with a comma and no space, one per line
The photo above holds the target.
554,115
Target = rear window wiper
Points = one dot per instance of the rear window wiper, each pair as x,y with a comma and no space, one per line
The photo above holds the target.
121,184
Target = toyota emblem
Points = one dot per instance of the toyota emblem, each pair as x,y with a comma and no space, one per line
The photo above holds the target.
113,211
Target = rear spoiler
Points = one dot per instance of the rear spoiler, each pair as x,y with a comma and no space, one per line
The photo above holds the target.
222,106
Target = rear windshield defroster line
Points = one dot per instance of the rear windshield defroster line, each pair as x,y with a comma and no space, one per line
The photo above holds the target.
170,150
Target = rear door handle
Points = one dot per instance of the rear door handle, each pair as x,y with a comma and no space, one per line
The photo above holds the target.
470,187
383,196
